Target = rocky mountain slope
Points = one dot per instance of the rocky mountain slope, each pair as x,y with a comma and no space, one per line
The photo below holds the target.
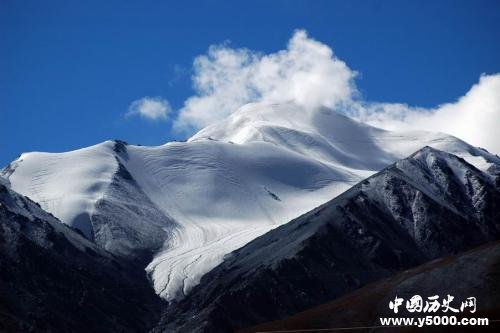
52,279
423,207
182,206
475,273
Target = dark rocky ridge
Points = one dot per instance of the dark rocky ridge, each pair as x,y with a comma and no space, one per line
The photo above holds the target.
474,273
423,207
125,221
52,279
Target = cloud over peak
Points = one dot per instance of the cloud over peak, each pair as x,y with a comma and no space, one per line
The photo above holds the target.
151,108
306,73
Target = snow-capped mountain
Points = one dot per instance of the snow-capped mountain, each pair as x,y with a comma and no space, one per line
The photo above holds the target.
184,205
423,207
52,279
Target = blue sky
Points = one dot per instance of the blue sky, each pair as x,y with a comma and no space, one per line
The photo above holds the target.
69,70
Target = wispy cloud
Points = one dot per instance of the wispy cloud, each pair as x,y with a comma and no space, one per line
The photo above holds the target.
152,108
474,117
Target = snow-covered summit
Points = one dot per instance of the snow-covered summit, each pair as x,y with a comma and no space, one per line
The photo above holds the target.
65,184
231,182
250,122
327,135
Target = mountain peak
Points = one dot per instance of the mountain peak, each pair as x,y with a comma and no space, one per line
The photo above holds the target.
253,121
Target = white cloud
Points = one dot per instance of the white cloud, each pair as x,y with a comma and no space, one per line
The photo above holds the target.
152,108
307,73
474,118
